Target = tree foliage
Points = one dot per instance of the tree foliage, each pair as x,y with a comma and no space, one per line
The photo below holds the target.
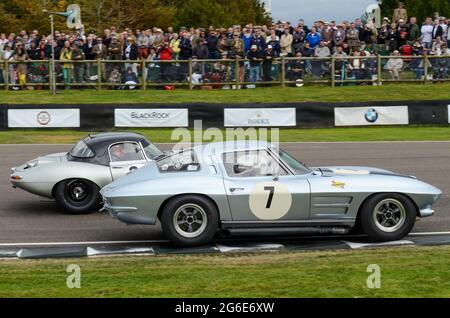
419,8
16,15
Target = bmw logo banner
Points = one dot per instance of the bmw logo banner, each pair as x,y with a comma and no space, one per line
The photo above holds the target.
371,115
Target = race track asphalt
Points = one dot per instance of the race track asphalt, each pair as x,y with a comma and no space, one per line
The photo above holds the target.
25,218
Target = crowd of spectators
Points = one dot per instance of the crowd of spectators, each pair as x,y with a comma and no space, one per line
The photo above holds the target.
259,46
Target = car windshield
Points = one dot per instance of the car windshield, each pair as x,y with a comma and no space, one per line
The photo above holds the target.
182,161
151,150
296,166
81,150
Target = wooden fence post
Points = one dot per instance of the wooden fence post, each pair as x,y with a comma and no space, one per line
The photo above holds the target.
333,71
379,70
190,75
283,73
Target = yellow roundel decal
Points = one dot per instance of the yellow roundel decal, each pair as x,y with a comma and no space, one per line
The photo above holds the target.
270,200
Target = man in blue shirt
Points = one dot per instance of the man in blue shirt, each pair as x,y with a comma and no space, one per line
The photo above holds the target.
313,38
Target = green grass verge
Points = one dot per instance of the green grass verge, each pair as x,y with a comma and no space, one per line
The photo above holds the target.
260,95
407,133
405,272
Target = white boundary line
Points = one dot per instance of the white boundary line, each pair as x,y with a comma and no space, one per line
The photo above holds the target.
153,241
81,243
429,233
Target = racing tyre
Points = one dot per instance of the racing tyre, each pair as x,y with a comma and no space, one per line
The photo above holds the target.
190,220
388,217
77,196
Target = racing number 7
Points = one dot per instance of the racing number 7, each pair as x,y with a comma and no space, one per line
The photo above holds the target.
269,201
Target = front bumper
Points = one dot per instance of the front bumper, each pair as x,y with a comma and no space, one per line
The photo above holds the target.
128,215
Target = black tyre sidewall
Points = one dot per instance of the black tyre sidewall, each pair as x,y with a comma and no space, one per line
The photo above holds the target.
169,229
88,205
368,224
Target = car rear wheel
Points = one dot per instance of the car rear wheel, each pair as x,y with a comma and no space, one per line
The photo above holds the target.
190,220
388,217
77,196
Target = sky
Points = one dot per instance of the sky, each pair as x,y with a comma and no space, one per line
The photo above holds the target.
312,10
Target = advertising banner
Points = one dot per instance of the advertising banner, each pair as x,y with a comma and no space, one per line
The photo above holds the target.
371,115
259,117
43,118
151,117
448,112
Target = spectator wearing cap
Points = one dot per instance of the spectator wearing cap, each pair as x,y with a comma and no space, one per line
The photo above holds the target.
158,39
268,56
185,51
400,13
275,43
255,56
100,52
327,34
394,65
201,52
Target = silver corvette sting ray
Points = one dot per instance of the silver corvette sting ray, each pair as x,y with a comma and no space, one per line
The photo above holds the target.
251,187
74,178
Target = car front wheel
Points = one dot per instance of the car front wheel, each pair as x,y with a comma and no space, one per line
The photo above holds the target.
77,196
388,217
190,220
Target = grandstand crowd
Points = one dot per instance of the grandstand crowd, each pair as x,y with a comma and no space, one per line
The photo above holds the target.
259,46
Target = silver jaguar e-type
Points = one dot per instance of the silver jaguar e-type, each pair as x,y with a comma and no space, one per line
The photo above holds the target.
251,187
75,178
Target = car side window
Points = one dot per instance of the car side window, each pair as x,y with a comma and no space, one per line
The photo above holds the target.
255,163
126,151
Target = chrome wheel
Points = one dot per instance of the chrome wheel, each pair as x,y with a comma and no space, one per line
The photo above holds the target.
77,190
389,215
190,220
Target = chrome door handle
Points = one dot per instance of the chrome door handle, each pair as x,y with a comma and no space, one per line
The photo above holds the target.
117,167
236,189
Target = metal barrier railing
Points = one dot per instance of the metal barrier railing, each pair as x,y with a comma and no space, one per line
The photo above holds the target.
225,73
